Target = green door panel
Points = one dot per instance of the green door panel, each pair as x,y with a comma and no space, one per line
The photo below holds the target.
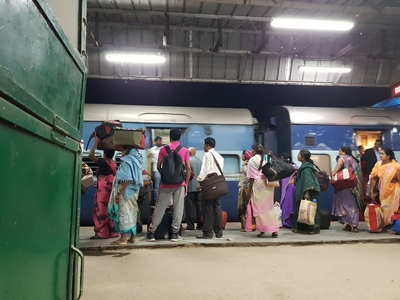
36,213
42,90
38,66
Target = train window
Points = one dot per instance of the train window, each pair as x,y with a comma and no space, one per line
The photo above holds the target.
323,161
309,141
231,163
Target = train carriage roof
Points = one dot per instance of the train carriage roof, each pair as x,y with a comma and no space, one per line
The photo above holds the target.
339,116
167,114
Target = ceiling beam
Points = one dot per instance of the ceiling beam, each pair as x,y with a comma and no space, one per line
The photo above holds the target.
275,82
176,14
224,29
159,48
356,10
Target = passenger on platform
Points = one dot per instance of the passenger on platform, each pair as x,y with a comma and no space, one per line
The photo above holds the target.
360,150
156,176
123,206
347,202
288,194
244,192
107,167
193,197
178,191
386,174
262,195
368,161
307,187
212,212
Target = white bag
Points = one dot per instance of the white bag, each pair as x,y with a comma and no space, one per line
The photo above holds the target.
307,212
278,213
87,181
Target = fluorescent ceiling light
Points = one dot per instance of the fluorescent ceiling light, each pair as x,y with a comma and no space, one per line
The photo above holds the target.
136,58
325,70
311,24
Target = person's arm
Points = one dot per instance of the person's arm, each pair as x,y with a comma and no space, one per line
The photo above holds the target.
338,167
188,169
251,185
372,186
124,185
205,167
92,157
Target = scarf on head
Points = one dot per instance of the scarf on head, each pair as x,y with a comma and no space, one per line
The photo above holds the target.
247,155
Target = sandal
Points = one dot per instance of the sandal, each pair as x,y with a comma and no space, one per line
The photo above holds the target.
132,241
347,228
118,242
354,229
261,235
274,235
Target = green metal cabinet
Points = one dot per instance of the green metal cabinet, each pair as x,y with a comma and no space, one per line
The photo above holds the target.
42,88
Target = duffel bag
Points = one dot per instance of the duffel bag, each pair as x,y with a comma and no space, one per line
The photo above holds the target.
345,179
129,137
214,186
103,131
277,169
374,217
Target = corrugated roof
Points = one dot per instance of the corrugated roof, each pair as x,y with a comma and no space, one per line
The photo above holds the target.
190,30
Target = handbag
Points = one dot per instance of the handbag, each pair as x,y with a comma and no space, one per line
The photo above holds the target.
249,217
277,169
278,213
374,217
214,186
345,179
307,212
323,179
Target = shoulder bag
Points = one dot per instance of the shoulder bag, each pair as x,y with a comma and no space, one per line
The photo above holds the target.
323,179
214,186
277,169
345,179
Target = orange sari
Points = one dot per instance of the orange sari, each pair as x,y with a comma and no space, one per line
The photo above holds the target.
389,192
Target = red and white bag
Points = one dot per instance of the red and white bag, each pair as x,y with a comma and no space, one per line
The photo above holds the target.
374,217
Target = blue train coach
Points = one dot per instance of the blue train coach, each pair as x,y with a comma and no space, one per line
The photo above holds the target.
231,128
322,130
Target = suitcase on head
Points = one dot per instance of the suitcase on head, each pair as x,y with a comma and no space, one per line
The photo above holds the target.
129,137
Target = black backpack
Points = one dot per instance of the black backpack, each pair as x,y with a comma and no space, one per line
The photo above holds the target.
172,171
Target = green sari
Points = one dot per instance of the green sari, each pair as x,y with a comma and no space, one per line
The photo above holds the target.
306,182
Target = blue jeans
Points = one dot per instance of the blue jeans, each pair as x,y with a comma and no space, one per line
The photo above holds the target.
156,186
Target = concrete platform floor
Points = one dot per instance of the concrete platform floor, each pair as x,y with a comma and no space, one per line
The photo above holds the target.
233,237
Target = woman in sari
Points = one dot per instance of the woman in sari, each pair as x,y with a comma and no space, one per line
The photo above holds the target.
346,203
244,193
103,225
307,187
262,196
288,194
386,173
123,206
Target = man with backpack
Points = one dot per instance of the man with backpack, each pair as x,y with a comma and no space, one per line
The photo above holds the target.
174,167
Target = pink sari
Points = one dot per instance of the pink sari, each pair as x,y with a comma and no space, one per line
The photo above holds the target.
103,225
389,192
262,199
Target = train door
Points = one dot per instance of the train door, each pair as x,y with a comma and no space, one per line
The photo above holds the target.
367,138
